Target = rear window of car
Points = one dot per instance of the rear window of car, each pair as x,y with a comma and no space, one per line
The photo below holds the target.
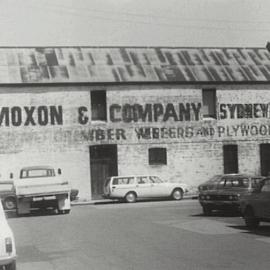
37,173
123,181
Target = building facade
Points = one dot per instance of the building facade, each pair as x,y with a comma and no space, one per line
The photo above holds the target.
185,114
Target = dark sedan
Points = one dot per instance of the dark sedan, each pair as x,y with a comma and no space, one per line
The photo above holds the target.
223,192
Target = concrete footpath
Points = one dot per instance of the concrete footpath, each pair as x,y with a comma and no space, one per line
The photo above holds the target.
192,196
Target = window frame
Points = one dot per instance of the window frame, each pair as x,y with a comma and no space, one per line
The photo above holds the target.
212,100
98,105
157,156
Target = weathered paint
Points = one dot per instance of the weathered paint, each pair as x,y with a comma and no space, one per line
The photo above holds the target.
137,64
194,145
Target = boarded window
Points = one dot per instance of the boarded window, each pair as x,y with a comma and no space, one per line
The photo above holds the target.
230,156
265,159
98,105
209,103
157,156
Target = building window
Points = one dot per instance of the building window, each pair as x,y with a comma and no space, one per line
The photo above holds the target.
98,105
157,156
209,103
230,158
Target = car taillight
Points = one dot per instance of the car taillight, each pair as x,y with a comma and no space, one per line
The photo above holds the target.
8,242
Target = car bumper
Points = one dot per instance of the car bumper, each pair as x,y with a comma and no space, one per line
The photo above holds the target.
220,204
7,260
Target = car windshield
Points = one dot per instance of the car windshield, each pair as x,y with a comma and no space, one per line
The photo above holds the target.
37,173
155,179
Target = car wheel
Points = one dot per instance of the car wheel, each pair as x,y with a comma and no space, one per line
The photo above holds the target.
207,210
131,197
9,203
62,212
177,194
251,221
11,266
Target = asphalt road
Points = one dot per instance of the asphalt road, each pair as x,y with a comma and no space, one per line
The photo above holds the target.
159,235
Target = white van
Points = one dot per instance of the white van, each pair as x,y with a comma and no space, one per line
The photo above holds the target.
130,188
7,244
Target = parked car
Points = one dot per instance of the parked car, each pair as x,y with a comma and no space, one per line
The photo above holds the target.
42,187
131,188
7,195
255,207
224,191
7,244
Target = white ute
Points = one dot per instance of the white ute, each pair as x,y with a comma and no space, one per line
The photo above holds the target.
7,244
40,187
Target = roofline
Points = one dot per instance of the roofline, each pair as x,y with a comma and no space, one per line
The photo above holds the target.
138,47
135,83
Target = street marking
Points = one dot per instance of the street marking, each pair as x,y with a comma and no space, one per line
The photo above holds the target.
202,226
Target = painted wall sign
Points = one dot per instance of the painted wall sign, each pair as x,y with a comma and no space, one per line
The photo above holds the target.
148,113
188,132
237,111
31,116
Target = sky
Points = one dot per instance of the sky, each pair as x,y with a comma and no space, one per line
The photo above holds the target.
180,23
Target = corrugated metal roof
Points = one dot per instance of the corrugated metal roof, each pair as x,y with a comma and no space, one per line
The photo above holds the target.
133,64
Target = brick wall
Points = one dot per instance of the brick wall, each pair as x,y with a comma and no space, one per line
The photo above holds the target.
194,146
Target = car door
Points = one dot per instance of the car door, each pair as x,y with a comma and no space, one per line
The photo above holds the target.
159,187
144,187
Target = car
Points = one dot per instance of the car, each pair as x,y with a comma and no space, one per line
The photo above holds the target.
133,187
7,244
255,207
223,192
8,195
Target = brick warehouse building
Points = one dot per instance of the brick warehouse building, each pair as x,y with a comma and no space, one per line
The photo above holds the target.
182,113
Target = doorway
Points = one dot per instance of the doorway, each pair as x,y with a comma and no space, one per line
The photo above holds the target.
103,163
265,158
230,158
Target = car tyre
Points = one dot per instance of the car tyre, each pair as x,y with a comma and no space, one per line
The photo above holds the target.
131,197
177,194
207,210
10,203
251,221
11,266
63,212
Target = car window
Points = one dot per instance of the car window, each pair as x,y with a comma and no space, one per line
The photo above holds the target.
123,180
256,182
236,182
266,186
155,179
143,180
221,183
36,173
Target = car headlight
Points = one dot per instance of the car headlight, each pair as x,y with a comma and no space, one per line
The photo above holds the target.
207,197
8,243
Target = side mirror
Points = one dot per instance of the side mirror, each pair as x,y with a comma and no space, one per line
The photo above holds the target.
11,175
59,171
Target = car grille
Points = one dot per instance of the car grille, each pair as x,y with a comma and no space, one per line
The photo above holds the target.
215,197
